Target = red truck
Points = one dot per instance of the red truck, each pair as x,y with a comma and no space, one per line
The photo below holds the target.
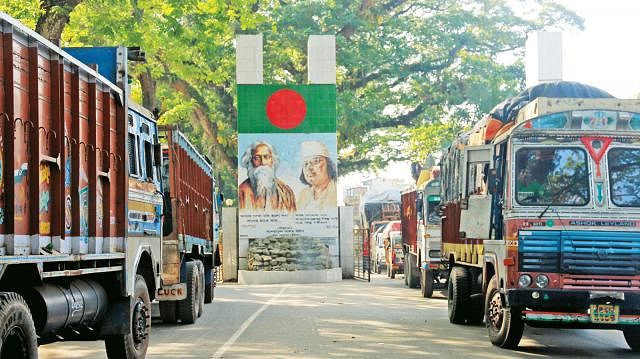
81,203
189,246
421,237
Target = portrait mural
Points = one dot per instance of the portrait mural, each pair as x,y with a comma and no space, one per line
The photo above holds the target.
287,162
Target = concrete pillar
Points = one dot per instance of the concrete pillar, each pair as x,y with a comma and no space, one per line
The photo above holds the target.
346,241
543,57
249,59
230,244
321,59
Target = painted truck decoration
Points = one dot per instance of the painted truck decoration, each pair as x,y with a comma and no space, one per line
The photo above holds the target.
81,201
541,213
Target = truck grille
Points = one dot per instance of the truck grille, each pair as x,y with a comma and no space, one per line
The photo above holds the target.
539,251
580,252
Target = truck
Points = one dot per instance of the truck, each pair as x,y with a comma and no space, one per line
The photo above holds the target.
377,208
190,252
81,200
424,266
540,215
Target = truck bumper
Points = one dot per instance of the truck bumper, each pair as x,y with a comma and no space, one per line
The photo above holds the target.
572,309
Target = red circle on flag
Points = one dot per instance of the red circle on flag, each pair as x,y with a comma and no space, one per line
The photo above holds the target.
286,109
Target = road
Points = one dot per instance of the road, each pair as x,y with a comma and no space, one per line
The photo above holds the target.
349,319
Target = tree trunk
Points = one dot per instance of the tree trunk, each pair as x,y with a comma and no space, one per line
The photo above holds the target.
56,16
149,99
201,115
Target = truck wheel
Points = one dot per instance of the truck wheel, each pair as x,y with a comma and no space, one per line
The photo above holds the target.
393,273
426,282
632,336
188,307
458,295
505,325
414,275
135,343
209,284
17,331
169,312
200,287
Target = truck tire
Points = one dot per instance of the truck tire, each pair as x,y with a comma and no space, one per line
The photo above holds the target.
426,282
169,311
17,332
476,311
209,284
135,343
188,307
632,336
413,274
505,327
392,272
200,287
458,295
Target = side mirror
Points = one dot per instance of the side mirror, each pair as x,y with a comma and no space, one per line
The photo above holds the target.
419,207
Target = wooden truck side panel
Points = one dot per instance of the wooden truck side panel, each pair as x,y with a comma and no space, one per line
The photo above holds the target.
191,197
62,182
409,220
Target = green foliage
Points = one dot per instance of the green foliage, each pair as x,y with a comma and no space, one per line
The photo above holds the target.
411,73
26,11
190,59
409,70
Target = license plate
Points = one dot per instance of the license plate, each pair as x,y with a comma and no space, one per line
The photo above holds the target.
173,292
604,313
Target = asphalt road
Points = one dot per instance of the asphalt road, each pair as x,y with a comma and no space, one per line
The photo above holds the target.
349,319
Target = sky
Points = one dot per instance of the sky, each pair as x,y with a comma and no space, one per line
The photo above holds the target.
605,54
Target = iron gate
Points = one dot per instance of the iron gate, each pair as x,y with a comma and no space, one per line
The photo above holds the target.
361,254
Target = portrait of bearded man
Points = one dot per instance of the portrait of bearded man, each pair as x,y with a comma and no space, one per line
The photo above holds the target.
262,190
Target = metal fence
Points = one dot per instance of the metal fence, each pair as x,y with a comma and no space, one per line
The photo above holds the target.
361,254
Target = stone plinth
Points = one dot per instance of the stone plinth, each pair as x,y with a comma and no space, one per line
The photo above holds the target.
282,277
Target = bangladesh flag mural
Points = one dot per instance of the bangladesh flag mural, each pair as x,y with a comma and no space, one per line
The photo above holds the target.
286,109
287,170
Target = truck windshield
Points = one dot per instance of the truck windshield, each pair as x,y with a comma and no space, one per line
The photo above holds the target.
624,174
433,206
552,176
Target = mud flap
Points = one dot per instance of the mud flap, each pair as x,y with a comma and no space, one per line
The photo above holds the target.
118,318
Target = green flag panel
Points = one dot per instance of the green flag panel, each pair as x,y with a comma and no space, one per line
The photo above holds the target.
286,109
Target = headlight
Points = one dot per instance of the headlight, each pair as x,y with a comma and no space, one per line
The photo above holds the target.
524,281
542,281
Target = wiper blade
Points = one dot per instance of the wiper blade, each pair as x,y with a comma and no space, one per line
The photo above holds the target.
544,211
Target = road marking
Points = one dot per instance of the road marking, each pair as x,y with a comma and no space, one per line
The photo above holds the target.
244,326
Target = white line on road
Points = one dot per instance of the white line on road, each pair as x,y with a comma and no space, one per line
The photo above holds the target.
245,325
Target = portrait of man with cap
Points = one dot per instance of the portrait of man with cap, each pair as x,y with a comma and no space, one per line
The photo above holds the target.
319,174
262,190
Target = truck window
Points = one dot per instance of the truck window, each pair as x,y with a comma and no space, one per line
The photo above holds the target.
148,160
624,175
477,178
133,155
433,208
552,176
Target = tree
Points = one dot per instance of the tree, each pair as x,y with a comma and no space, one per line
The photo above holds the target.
188,77
54,17
411,73
409,69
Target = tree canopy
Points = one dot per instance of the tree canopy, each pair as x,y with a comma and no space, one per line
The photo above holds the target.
411,73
